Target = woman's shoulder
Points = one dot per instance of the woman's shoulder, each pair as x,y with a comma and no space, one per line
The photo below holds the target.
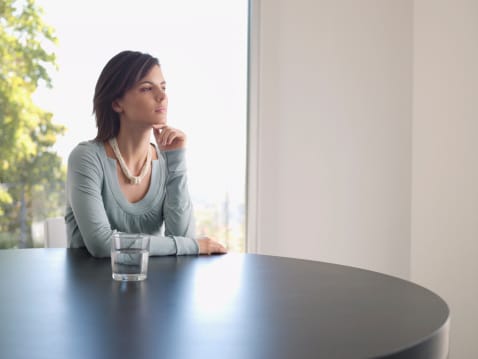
89,151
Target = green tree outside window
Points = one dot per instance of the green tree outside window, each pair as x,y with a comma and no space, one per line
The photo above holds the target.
32,176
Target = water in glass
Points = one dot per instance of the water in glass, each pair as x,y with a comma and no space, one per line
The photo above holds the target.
129,264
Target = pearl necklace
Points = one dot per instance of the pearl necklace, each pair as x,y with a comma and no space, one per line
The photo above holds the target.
132,179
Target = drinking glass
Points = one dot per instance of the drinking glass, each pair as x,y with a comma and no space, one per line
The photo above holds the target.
129,256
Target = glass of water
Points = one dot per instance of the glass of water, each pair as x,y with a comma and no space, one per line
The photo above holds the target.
129,256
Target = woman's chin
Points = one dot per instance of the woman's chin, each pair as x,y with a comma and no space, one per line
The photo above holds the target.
160,122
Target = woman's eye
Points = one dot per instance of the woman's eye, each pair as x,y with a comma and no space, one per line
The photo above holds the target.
146,89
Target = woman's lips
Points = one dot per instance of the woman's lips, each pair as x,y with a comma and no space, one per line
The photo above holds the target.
160,110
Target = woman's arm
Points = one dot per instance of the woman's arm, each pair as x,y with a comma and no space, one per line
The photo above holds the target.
177,207
83,189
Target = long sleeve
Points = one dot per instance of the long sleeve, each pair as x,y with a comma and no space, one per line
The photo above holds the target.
177,208
88,212
83,188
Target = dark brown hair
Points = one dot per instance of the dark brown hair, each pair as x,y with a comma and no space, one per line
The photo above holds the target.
119,75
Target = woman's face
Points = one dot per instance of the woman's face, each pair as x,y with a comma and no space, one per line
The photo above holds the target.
146,103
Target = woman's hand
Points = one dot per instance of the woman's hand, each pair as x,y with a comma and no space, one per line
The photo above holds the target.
209,246
169,138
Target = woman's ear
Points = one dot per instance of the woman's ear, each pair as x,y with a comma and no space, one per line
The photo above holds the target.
116,106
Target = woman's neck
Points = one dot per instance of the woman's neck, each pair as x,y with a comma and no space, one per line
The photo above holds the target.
134,146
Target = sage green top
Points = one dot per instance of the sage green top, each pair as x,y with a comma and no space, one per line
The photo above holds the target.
96,206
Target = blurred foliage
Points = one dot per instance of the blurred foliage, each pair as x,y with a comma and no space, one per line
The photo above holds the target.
31,175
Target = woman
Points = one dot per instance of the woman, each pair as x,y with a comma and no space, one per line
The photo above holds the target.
120,181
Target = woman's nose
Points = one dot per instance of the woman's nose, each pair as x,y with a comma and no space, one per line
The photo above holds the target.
160,95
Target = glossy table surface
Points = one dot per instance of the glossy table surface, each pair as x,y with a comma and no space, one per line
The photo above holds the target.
62,303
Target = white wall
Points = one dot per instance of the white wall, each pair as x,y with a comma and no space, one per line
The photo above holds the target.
445,162
330,170
339,89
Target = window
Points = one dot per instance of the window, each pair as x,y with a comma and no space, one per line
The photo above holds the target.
202,47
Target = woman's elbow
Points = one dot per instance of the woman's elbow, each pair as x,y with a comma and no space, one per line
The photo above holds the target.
99,251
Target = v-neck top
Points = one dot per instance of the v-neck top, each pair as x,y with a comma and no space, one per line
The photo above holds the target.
96,205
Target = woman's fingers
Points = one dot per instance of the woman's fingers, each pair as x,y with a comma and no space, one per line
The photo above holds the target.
161,135
218,248
209,246
169,138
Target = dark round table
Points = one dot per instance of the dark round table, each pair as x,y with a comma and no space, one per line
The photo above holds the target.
62,303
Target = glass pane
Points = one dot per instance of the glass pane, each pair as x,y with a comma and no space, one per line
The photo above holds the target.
202,47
